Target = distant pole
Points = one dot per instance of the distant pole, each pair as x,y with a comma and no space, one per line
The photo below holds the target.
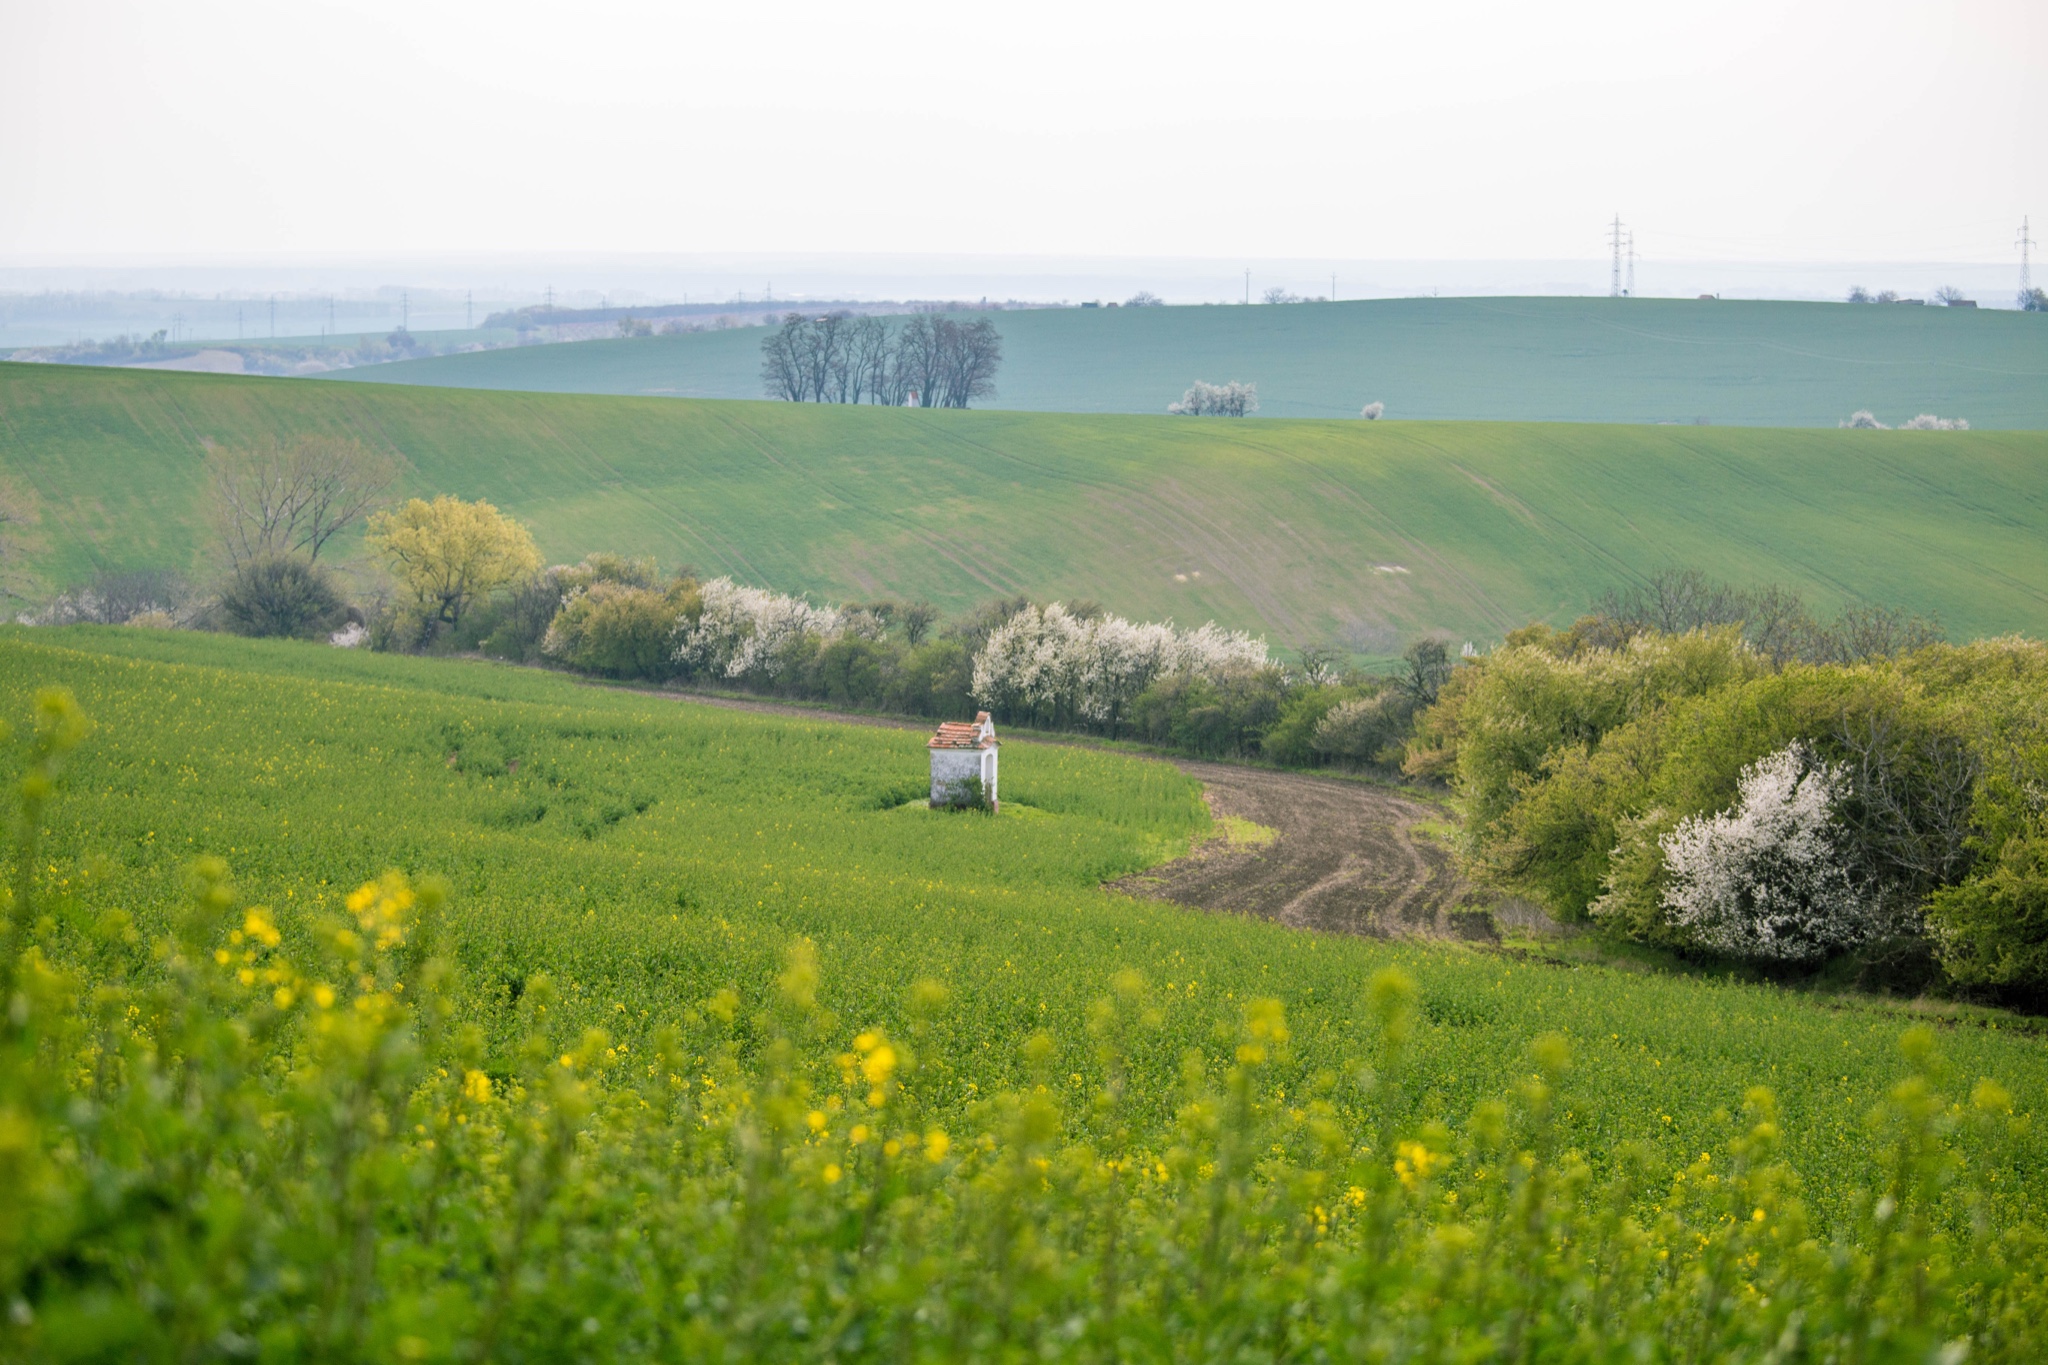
1333,288
2026,244
1614,274
1247,286
1630,289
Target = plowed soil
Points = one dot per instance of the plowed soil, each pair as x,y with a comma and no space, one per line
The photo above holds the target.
1348,858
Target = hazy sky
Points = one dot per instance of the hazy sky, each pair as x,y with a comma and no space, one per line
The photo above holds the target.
1750,129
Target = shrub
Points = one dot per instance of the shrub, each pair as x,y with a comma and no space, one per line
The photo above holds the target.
1767,879
1927,421
1062,666
1233,399
1863,420
281,595
1373,411
618,630
1366,729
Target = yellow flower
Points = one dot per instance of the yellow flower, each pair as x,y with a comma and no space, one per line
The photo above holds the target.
879,1065
815,1120
832,1174
476,1086
323,996
257,925
859,1134
936,1145
1415,1163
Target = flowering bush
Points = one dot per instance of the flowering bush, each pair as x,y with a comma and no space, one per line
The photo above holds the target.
1769,878
747,632
1050,664
1204,399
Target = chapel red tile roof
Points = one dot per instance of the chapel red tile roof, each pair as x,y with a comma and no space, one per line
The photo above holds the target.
961,734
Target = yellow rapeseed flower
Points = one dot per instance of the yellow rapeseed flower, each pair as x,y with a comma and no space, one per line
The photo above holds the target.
476,1086
1415,1163
936,1145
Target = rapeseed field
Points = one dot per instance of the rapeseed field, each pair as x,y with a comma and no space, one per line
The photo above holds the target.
400,1009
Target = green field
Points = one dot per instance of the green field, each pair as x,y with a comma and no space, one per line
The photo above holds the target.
647,853
1505,359
1353,532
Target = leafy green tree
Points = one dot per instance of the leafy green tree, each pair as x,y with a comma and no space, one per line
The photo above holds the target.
448,554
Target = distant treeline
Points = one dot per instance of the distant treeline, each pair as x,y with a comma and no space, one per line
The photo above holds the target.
927,361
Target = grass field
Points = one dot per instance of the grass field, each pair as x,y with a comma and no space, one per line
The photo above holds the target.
1352,532
1508,359
648,853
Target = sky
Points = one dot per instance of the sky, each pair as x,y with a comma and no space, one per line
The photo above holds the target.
1745,130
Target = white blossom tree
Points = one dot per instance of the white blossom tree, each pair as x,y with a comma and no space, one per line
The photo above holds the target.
1768,879
1051,663
746,631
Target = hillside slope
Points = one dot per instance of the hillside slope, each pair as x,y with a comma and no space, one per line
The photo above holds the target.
1529,359
1363,533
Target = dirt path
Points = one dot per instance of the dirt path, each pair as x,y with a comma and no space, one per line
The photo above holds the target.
1347,858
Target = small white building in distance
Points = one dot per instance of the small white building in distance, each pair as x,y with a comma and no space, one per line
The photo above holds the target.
962,752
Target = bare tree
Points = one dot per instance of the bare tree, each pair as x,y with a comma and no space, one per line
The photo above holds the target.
918,619
867,360
969,353
782,367
292,497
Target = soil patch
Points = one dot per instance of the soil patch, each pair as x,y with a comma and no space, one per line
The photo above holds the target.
1348,858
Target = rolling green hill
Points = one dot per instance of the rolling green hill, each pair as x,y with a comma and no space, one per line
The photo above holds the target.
1356,532
1526,359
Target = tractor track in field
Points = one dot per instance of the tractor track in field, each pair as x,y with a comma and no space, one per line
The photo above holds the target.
1343,857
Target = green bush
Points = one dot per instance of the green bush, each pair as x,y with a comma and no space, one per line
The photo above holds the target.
281,595
618,630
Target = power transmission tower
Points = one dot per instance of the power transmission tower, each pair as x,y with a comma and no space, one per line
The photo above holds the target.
1614,275
1629,290
1247,286
2026,244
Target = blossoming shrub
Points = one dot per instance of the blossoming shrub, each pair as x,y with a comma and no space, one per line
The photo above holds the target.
222,1141
1769,878
1049,664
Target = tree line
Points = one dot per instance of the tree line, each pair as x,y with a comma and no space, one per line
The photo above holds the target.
928,361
